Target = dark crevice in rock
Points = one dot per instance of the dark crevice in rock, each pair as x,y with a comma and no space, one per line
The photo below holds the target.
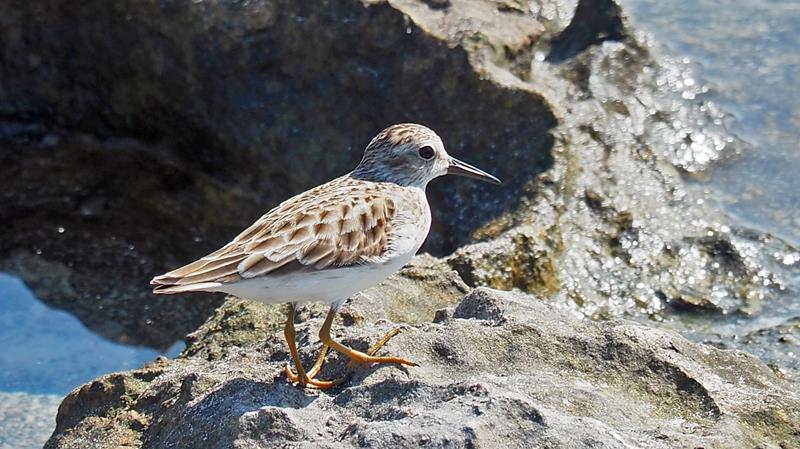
595,21
691,393
437,4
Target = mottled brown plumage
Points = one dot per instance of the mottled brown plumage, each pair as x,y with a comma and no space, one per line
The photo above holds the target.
341,223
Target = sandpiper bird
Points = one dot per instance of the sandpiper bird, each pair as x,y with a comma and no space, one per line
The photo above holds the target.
334,240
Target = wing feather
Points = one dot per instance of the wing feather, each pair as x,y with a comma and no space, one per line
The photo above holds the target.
263,265
322,228
208,276
316,251
325,230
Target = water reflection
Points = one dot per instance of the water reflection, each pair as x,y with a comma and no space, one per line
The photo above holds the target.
748,51
48,351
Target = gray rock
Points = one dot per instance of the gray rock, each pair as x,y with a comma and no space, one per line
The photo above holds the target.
524,375
153,133
204,114
89,223
275,97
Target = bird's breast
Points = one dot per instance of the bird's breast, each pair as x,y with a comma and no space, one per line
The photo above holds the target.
411,225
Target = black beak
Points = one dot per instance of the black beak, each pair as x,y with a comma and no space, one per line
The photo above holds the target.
463,169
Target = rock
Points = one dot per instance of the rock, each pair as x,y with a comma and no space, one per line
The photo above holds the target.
89,236
776,345
610,229
202,115
524,375
140,130
232,92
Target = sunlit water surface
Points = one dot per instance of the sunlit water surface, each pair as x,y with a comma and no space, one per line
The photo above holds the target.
748,52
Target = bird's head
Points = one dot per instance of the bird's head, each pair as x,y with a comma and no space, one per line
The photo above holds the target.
411,154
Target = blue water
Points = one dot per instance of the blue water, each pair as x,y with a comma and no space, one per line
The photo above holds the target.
749,53
48,351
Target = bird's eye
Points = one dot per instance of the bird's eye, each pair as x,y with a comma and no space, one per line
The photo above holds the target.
426,152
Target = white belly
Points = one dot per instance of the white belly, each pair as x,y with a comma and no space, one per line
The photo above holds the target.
327,286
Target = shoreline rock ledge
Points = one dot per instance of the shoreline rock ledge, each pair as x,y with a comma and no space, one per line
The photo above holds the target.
561,99
498,369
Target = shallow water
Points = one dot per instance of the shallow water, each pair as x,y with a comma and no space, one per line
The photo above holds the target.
46,353
45,350
748,51
26,420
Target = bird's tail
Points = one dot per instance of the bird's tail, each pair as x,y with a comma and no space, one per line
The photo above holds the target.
165,288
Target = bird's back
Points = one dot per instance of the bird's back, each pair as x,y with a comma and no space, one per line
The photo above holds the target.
346,224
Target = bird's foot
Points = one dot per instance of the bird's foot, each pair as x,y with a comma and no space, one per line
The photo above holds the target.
356,359
310,381
309,378
359,358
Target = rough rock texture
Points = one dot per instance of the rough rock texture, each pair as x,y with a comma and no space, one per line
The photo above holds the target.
209,113
610,228
182,120
201,115
497,370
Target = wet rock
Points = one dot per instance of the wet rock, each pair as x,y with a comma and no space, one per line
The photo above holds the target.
224,111
233,106
778,345
523,375
610,229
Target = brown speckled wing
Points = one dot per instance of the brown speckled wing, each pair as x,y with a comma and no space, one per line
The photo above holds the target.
337,224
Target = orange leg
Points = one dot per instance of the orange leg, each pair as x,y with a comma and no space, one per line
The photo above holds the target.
314,370
302,377
289,333
357,356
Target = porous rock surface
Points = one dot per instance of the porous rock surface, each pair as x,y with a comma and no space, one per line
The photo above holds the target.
160,128
138,136
193,117
496,370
